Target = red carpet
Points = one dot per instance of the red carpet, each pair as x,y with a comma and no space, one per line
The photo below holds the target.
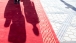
46,33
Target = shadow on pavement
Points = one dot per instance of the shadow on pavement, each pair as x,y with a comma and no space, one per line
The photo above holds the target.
68,5
31,15
16,21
